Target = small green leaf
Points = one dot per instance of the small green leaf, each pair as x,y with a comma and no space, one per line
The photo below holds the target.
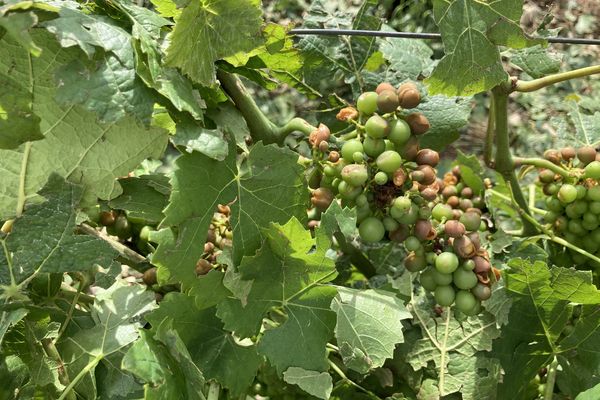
141,199
312,382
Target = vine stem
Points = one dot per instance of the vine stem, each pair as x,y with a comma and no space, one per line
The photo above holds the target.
261,128
541,163
63,377
551,379
504,162
536,84
213,391
488,155
91,365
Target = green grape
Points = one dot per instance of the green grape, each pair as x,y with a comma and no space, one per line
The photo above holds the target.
427,281
567,193
412,243
355,174
596,235
471,221
328,170
589,225
145,233
371,230
571,211
380,178
358,157
593,193
465,301
377,127
349,148
441,279
575,227
430,257
389,145
550,217
481,291
442,211
594,207
446,262
581,206
348,191
468,265
399,132
415,262
402,204
579,259
407,218
390,224
475,310
362,213
554,204
425,212
122,227
592,170
589,244
551,189
389,161
581,192
373,147
367,103
362,200
444,295
464,279
93,214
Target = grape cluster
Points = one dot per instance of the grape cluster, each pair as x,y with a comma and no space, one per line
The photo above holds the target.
134,233
393,184
573,202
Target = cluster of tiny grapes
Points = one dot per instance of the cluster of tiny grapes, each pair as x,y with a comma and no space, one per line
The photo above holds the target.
573,203
381,171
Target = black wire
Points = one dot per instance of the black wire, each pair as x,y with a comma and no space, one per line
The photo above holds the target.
413,35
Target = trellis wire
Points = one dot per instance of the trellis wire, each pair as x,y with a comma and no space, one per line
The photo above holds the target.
424,35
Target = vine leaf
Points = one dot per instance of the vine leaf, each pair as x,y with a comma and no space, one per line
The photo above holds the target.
215,351
105,82
207,31
312,382
536,61
589,394
471,171
446,116
267,186
287,274
144,198
458,350
407,58
368,326
578,128
542,300
75,146
58,248
471,31
117,312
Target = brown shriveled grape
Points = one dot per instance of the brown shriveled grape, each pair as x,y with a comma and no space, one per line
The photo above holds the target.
553,156
334,156
568,153
428,157
203,267
384,86
419,124
586,154
347,114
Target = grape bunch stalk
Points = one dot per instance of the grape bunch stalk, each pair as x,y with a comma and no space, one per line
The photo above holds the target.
573,200
381,171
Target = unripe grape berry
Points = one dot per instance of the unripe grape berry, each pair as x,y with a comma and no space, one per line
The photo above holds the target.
349,148
145,233
464,279
122,227
567,193
380,178
465,301
427,281
389,161
441,211
466,193
419,124
468,265
358,157
586,154
409,217
547,176
355,174
412,243
440,278
402,204
428,157
387,101
371,230
417,176
348,191
592,170
390,224
470,220
377,127
367,103
399,132
384,86
373,147
415,262
444,295
593,193
465,204
446,262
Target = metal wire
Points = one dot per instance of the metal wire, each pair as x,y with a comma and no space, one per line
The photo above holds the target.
413,35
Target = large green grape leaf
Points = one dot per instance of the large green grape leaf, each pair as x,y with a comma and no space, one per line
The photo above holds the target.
446,116
287,274
368,326
209,30
57,248
105,82
542,305
162,361
76,145
267,186
117,313
407,58
536,61
192,136
590,394
215,351
459,351
144,198
578,128
471,31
